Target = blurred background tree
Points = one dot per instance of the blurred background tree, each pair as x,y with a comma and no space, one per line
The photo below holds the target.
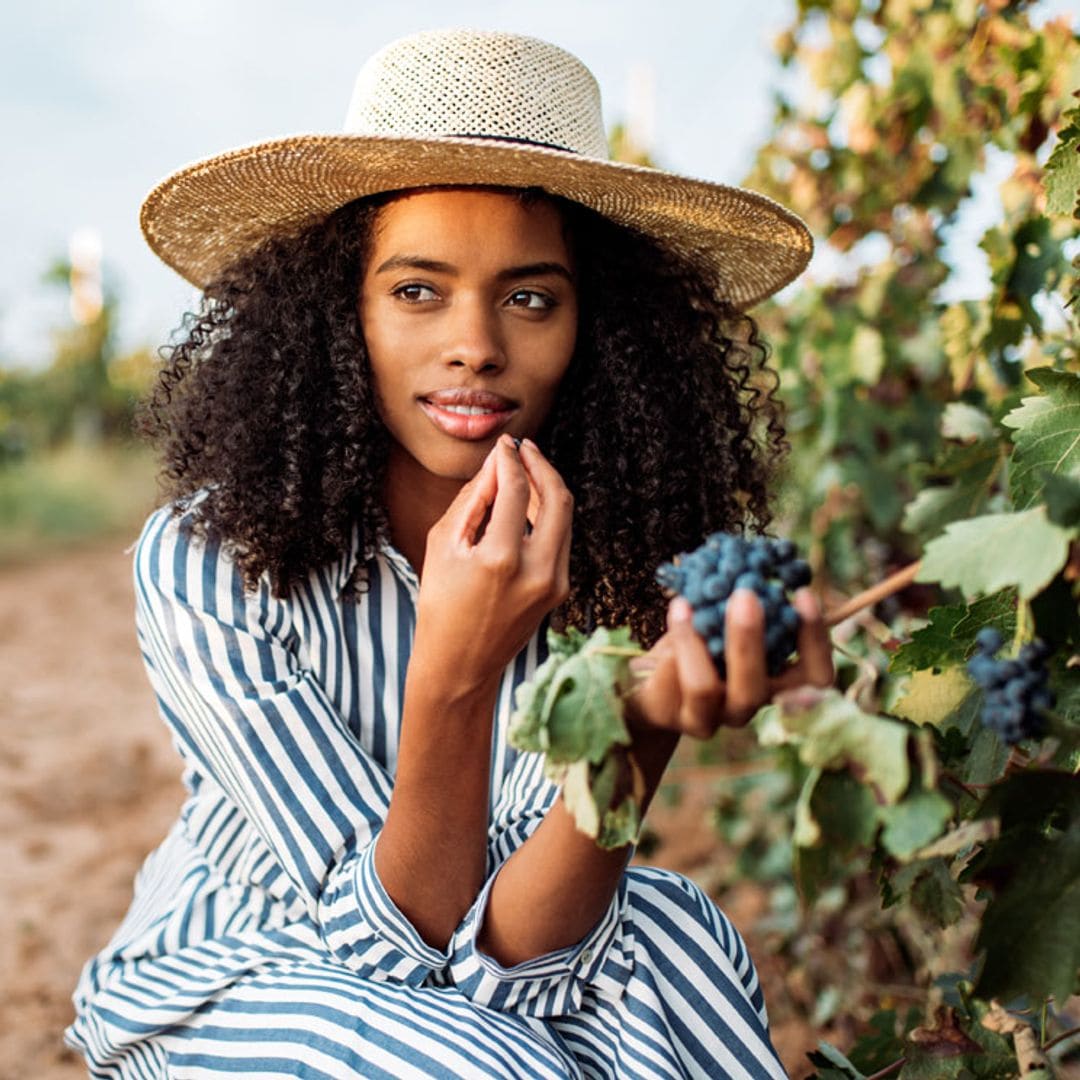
69,468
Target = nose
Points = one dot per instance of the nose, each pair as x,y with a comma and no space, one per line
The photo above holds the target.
474,338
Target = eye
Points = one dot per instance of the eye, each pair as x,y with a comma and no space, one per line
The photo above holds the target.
530,298
414,293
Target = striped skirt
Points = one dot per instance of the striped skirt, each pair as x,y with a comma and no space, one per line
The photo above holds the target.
272,1002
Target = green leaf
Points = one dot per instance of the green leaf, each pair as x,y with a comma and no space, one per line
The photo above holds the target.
936,896
833,1064
995,551
1031,927
914,822
988,756
949,636
965,422
972,471
929,887
1062,176
1047,437
1062,495
844,811
832,732
572,708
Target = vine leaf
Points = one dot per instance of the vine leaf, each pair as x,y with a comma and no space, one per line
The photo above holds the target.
1063,168
832,732
960,482
949,636
572,711
1062,495
930,698
930,889
1047,437
1031,928
915,822
984,554
970,472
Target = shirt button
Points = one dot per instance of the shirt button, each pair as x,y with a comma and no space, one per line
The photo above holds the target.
586,956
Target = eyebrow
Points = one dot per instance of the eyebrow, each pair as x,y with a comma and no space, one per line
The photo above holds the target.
511,273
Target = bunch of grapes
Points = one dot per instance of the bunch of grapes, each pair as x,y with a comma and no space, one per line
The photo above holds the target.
1016,691
725,562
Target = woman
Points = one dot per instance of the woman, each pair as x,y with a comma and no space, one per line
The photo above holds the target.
427,349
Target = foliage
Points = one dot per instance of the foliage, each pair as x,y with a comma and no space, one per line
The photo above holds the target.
928,424
88,392
61,497
572,711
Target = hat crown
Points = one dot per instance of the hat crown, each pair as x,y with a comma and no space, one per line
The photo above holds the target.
479,84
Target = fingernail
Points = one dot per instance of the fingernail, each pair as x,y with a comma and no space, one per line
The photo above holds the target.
530,444
679,611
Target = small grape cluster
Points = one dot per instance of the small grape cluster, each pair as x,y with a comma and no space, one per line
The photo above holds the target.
708,576
1016,691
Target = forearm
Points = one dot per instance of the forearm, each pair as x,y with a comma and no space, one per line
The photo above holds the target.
432,852
554,889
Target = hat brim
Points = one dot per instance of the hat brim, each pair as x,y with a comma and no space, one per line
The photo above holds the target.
202,218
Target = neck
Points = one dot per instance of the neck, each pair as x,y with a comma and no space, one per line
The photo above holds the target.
415,500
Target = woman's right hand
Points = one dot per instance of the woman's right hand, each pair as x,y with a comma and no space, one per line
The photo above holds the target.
488,580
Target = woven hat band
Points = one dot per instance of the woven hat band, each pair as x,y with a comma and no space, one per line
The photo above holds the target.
486,85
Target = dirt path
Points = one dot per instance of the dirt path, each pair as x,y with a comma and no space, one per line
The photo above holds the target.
89,783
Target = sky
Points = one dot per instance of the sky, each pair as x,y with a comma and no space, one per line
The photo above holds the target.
99,101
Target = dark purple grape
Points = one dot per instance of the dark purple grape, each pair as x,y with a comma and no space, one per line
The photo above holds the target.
708,575
1016,696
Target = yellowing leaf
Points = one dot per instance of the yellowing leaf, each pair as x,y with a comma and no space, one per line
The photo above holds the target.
931,697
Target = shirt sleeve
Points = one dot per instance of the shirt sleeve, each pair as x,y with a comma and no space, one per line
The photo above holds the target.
246,714
552,984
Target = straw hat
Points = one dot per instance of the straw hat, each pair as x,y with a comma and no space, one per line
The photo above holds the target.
469,107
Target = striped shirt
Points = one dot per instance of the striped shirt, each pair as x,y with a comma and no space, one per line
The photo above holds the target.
286,712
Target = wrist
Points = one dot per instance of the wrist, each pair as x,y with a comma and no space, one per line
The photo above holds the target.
444,682
652,750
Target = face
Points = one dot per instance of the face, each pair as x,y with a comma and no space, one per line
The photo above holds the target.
469,313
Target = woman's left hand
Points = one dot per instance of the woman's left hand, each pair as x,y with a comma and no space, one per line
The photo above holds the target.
684,692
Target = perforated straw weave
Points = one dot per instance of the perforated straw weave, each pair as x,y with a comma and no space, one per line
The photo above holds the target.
469,107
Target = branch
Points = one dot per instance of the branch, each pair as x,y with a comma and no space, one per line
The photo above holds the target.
1061,1038
876,593
889,1070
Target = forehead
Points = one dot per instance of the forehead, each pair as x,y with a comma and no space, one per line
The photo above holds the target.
477,220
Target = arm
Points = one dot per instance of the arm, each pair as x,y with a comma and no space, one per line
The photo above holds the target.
485,588
558,884
255,723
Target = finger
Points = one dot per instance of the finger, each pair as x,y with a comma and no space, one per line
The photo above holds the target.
701,692
473,502
554,507
815,665
506,528
656,700
744,653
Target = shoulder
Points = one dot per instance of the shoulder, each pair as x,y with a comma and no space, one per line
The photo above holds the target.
174,554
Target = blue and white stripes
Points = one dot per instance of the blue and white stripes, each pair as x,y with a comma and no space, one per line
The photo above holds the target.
261,940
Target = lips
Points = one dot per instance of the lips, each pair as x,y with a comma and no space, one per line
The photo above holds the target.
468,414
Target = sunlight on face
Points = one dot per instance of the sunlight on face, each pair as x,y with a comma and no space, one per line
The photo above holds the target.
469,311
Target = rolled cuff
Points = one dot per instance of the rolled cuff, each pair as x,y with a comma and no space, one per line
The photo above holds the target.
552,984
367,931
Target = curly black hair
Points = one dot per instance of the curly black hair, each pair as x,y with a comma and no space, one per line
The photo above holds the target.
665,427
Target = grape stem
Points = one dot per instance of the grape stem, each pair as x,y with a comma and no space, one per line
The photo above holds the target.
875,594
